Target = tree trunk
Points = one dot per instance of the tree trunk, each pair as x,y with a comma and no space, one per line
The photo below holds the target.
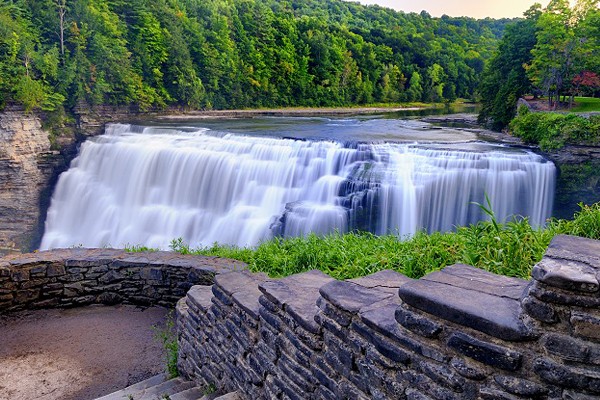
62,10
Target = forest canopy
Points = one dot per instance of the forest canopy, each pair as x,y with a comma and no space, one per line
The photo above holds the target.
205,54
554,52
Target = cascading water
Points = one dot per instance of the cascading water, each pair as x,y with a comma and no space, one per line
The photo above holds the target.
148,186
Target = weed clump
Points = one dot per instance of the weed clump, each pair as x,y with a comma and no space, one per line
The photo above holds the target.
167,337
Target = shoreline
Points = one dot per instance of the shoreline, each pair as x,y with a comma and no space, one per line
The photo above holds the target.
286,112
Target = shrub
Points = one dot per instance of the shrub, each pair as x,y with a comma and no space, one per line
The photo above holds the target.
553,130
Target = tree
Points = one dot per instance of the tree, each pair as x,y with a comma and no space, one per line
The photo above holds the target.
567,44
588,33
61,6
504,80
30,93
415,90
235,53
553,53
392,83
586,81
436,78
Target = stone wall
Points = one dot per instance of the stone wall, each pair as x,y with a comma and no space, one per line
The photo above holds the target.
78,277
460,333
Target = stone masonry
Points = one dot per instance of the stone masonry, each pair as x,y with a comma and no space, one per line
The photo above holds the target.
459,333
78,277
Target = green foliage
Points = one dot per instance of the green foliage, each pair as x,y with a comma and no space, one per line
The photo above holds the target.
504,80
585,224
209,389
29,92
577,182
551,65
138,248
167,337
550,52
510,248
553,130
234,54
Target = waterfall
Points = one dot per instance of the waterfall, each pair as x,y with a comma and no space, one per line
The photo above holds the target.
147,186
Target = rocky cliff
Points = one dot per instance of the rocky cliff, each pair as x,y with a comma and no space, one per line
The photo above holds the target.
30,165
28,169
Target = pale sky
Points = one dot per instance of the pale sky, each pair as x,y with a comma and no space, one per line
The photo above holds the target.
458,8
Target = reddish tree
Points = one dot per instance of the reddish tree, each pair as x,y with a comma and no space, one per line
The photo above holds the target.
586,80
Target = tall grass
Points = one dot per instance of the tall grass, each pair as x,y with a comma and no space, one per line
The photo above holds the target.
508,249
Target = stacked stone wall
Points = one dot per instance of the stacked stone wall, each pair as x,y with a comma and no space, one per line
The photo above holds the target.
78,277
459,333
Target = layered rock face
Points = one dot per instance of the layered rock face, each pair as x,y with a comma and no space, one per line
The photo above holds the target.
26,166
30,166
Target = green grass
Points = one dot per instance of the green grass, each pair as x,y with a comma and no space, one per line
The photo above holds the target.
586,104
508,249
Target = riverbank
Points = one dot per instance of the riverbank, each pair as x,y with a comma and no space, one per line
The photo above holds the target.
568,154
286,112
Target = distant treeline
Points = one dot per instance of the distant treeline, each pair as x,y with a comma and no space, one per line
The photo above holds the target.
235,53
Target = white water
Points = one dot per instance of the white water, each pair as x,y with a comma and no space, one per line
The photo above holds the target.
147,186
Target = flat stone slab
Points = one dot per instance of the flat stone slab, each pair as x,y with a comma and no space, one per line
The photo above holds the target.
471,297
387,280
242,287
356,294
201,296
575,248
566,274
95,257
476,279
297,295
380,316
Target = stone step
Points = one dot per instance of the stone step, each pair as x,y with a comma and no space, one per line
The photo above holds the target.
194,393
230,396
123,394
161,391
158,388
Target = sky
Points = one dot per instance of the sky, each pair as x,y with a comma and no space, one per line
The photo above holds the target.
458,8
